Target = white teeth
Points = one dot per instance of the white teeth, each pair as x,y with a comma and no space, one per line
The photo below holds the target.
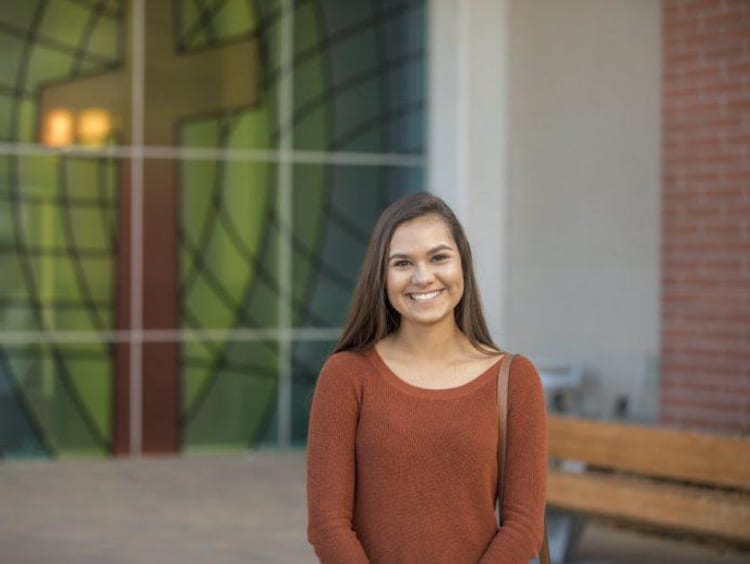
425,297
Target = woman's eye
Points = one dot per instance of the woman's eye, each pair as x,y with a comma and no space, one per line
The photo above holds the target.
438,258
401,263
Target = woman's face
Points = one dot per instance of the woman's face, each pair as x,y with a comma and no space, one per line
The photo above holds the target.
424,281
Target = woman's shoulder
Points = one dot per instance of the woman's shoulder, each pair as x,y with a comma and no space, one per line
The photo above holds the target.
524,377
348,364
522,363
340,377
343,360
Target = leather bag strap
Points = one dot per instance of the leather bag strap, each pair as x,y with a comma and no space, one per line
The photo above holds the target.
503,375
502,415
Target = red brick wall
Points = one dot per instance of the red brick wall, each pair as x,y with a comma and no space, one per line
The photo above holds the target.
705,330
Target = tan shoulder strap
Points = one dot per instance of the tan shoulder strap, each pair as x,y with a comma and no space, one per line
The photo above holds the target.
502,415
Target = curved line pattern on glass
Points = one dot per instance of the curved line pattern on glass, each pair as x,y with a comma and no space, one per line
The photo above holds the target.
69,233
335,206
20,432
88,31
69,400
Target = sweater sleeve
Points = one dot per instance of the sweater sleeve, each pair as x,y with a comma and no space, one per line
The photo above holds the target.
331,471
520,537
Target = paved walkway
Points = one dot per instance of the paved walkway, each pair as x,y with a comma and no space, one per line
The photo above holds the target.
207,509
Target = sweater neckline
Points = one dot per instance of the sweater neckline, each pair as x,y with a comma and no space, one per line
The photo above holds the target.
489,375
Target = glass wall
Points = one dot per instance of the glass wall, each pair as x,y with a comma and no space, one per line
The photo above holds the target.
186,192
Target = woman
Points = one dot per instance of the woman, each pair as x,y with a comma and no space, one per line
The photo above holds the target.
403,432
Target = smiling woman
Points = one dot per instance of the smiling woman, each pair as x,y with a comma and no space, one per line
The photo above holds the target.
403,435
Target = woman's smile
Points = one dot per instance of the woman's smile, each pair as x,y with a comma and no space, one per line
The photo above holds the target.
425,296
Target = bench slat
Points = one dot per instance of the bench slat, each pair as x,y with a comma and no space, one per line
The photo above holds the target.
685,508
676,454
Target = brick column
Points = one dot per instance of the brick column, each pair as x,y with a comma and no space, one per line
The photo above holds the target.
705,330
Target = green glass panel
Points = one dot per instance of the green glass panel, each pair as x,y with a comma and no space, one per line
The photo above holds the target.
343,16
59,401
272,37
190,17
223,225
57,279
64,22
11,50
12,281
246,198
185,258
355,56
309,214
64,258
115,5
99,274
367,139
306,34
81,177
38,175
92,381
6,216
196,204
26,122
90,66
359,105
46,64
208,303
247,129
313,93
197,358
6,162
7,107
251,129
201,133
86,228
233,401
19,13
234,18
104,40
310,130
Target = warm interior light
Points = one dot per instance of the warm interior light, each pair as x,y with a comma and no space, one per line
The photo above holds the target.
58,128
94,126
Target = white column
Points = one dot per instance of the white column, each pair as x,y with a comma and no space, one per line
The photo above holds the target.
468,135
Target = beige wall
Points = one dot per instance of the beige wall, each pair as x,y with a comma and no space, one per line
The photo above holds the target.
584,181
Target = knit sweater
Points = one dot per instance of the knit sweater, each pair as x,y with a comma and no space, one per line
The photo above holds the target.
404,474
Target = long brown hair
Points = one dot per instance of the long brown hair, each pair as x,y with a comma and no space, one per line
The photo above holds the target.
372,317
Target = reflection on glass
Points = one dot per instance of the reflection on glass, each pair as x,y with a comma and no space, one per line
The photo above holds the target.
57,243
58,128
360,80
228,394
94,127
228,245
56,400
60,55
335,208
307,359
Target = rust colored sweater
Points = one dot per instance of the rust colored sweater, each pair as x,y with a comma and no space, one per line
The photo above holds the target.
403,474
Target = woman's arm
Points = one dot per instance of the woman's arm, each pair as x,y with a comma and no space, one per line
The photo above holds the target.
520,537
331,472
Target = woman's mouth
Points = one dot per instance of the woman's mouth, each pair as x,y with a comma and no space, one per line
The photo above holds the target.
425,296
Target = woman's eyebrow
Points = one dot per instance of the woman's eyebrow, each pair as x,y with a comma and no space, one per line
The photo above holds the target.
441,247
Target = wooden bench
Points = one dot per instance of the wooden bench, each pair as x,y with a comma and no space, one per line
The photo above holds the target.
667,479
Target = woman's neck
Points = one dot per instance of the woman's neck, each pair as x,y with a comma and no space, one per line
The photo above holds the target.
433,343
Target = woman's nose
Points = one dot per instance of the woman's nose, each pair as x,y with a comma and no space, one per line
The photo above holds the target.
422,275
